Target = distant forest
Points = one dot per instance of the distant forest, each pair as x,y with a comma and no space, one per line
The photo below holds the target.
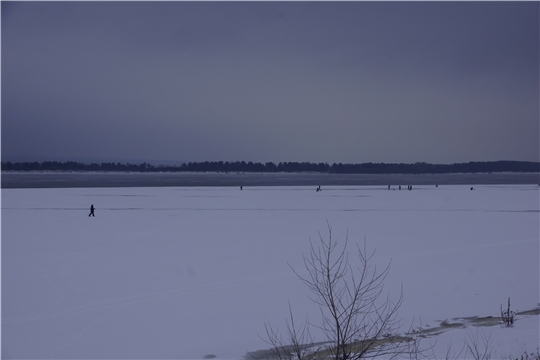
269,167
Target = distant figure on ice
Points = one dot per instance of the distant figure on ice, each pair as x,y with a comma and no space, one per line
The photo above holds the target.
92,208
241,187
319,188
388,187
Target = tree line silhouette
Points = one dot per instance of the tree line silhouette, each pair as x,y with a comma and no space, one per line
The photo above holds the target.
269,167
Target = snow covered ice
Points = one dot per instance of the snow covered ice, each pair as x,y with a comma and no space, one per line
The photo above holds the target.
163,273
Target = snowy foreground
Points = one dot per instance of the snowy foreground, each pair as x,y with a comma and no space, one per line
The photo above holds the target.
188,273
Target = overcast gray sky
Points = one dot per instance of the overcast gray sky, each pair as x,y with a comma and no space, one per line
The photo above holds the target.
350,82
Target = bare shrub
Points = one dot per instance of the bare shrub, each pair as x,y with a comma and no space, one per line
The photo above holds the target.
526,356
299,343
450,354
507,316
479,345
358,320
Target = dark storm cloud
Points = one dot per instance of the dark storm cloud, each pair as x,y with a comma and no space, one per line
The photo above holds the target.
271,81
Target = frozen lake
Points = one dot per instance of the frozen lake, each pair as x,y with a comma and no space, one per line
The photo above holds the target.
104,179
188,272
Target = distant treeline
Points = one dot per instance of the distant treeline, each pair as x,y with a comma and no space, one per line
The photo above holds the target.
269,167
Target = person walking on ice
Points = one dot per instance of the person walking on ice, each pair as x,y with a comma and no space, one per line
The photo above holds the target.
92,208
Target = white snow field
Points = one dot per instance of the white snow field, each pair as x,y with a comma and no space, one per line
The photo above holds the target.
192,273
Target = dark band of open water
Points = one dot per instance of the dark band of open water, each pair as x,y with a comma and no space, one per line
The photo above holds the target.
12,180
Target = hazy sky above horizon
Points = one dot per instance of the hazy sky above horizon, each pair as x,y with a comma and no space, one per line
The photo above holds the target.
350,82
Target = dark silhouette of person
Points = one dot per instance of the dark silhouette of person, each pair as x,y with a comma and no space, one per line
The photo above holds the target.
241,187
92,208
